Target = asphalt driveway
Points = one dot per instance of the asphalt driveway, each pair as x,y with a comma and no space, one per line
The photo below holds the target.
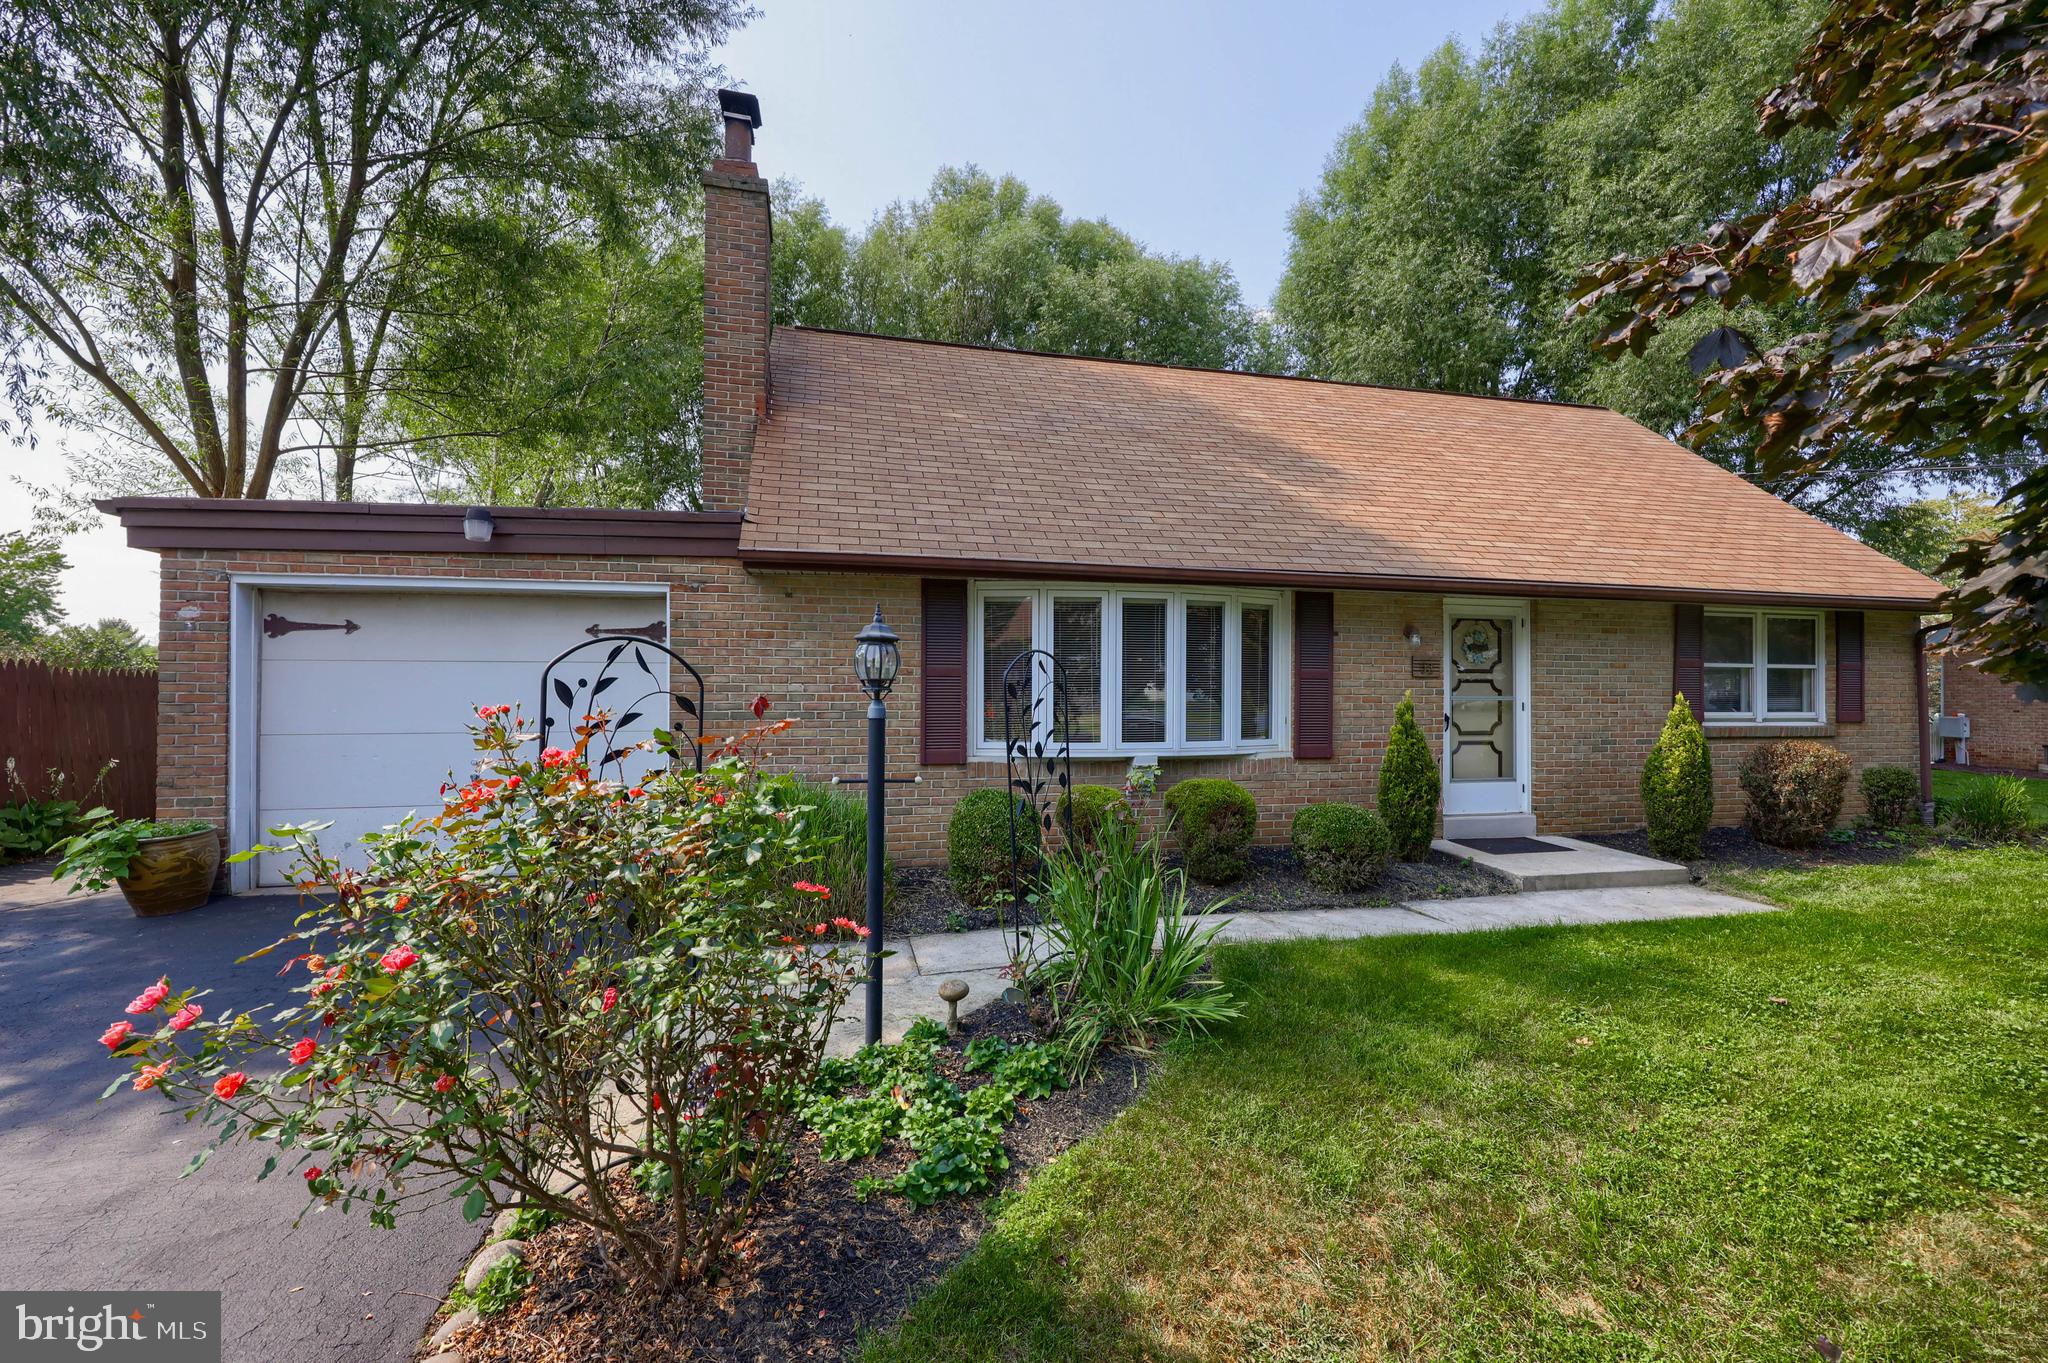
90,1196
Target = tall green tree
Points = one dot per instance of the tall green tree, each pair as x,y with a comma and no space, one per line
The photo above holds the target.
212,213
29,568
1924,260
559,358
983,260
106,645
1444,243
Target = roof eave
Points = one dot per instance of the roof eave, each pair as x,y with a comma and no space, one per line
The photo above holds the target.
821,560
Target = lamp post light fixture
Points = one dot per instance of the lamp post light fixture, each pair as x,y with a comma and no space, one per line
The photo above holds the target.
875,662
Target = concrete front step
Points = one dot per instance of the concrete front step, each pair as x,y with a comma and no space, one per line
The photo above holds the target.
1574,866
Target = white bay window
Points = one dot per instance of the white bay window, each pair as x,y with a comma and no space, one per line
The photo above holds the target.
1764,667
1149,670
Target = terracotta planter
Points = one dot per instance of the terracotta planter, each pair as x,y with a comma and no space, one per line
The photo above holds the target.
171,875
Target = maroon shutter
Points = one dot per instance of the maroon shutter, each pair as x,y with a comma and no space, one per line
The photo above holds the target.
943,676
1688,641
1849,666
1315,650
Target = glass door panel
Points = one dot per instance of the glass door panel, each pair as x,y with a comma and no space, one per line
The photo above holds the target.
1484,680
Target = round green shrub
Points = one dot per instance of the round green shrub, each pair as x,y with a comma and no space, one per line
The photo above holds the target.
1409,785
1678,786
1342,847
1995,810
1090,807
1795,790
1891,796
1213,821
978,843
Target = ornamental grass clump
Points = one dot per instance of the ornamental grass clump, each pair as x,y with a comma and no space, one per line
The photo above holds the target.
1678,786
1128,958
1995,810
552,978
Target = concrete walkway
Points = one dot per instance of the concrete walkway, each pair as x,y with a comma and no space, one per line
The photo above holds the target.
911,977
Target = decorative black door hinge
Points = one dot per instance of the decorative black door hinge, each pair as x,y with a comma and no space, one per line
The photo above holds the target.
276,626
657,631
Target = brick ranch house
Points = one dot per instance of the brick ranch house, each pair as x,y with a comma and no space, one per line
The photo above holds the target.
1241,574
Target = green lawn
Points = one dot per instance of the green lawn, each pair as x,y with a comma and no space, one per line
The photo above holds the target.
1950,784
1715,1140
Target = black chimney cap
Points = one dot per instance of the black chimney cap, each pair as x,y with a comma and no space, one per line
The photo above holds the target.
740,104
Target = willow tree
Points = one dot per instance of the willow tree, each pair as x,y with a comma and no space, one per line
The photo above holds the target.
214,213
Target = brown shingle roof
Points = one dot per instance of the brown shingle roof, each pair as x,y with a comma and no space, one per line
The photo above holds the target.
925,456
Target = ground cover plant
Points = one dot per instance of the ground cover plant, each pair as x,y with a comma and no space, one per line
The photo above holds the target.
554,976
857,1106
1811,1134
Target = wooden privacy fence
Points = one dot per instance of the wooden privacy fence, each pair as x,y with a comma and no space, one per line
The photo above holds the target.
55,719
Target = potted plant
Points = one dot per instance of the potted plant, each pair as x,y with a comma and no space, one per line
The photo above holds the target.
166,867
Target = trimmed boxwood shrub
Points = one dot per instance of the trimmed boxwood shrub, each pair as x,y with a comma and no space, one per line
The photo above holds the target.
978,844
1678,786
1213,821
1795,790
1891,796
1091,806
1409,785
1342,847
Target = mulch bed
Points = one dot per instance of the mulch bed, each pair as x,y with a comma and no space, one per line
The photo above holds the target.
925,901
820,1266
1737,849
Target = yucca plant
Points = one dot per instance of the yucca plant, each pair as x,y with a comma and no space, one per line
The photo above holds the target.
1129,958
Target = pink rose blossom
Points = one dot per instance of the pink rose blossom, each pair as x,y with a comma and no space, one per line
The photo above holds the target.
150,998
115,1035
185,1017
398,958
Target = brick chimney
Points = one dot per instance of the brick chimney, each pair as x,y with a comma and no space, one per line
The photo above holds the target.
737,303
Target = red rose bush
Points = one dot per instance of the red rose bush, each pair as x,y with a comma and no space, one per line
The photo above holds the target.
553,978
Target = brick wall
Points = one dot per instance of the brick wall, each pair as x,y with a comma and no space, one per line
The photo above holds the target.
2003,731
1601,684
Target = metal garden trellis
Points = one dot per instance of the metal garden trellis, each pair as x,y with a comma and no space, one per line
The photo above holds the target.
586,690
1037,765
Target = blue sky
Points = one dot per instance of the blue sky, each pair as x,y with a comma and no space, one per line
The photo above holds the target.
1193,126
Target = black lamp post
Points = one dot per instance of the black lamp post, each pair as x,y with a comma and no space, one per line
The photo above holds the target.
875,661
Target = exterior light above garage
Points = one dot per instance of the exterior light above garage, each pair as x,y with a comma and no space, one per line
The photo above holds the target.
477,525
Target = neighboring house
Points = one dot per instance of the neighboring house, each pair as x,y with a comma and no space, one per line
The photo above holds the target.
2004,731
1242,575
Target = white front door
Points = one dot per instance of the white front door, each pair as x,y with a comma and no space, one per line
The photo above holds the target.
1486,707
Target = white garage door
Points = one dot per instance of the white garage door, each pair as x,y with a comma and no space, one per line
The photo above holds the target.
362,726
